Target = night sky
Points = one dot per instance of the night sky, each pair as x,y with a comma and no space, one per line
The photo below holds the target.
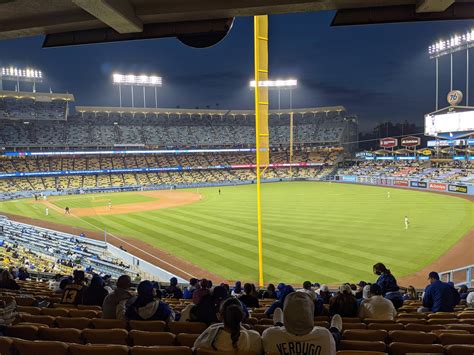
379,72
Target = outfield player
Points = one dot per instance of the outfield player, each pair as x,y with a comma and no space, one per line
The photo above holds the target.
66,210
388,194
110,205
46,211
407,222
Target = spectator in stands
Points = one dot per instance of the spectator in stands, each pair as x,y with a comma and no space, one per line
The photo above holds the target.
23,274
298,331
376,306
237,290
410,294
248,299
146,307
193,285
7,281
203,290
173,289
439,296
73,293
54,283
463,291
325,294
388,284
470,299
229,335
116,303
206,310
307,288
95,294
270,293
360,288
281,300
344,303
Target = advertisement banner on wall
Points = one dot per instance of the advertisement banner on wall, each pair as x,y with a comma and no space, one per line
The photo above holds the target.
384,181
388,142
410,141
403,183
457,188
349,178
437,186
418,184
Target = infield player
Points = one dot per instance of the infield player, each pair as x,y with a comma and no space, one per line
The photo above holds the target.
407,222
110,205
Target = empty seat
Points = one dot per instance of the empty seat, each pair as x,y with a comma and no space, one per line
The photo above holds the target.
77,349
149,326
6,346
67,335
187,327
365,334
384,326
88,307
28,332
357,352
438,332
350,320
468,327
27,347
407,348
449,339
185,339
443,321
86,313
346,326
25,301
374,320
143,338
99,323
46,320
105,336
423,327
467,321
412,336
459,349
162,350
29,310
55,312
212,352
73,322
411,320
362,345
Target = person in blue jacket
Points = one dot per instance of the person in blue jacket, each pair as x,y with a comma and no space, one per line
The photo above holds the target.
388,284
439,296
286,290
147,307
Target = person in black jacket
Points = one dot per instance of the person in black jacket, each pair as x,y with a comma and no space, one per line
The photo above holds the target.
95,294
7,281
173,289
247,298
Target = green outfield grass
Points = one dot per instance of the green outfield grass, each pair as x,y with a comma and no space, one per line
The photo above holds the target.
96,200
322,232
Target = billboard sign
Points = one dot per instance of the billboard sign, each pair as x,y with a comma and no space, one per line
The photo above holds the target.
449,122
388,142
403,183
457,188
410,141
418,184
437,186
349,178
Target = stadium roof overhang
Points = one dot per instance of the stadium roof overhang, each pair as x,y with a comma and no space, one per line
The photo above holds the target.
38,96
194,22
202,112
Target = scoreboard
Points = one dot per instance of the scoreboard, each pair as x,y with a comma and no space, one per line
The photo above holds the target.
450,122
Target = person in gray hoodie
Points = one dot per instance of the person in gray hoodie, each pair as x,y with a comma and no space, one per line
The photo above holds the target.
229,335
115,303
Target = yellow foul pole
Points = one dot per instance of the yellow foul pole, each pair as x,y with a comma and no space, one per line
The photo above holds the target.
261,121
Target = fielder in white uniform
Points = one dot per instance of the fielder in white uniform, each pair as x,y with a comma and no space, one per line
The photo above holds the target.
407,222
46,211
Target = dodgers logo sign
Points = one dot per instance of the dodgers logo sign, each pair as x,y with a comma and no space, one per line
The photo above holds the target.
454,97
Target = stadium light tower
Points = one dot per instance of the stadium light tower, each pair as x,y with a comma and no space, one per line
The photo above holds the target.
452,45
288,84
25,75
142,81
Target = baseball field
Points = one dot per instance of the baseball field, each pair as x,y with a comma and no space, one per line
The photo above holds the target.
323,232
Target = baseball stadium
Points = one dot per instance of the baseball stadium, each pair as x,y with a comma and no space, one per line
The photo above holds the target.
181,200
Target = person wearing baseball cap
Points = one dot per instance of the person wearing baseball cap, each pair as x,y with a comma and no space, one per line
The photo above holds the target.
439,296
298,335
344,303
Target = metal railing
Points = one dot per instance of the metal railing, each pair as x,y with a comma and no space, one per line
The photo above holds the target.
460,276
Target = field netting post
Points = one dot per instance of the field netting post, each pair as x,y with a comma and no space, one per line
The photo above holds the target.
261,120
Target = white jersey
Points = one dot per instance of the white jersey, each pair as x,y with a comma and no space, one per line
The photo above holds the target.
377,307
407,222
46,212
318,342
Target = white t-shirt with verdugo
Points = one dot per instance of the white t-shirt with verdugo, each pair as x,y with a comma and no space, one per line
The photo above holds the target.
279,341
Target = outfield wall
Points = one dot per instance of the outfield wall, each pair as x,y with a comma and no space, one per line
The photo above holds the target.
417,184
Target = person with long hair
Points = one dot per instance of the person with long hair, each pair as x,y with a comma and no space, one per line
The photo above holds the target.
7,281
95,293
410,294
229,335
388,284
147,307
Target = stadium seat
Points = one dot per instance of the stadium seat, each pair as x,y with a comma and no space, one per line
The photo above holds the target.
149,326
144,338
386,326
187,327
26,347
459,349
67,335
362,345
212,352
47,320
411,320
442,315
450,339
357,352
346,326
29,310
350,320
27,332
185,339
77,349
438,332
99,323
161,350
25,301
105,336
55,312
88,307
467,321
365,334
374,320
411,336
73,322
407,348
443,321
423,327
266,321
6,346
86,313
467,327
